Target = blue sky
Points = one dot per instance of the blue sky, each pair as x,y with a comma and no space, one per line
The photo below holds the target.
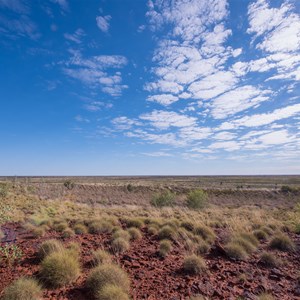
128,87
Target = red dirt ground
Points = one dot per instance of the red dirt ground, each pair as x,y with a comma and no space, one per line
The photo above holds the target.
155,278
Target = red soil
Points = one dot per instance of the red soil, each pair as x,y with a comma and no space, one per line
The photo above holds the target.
155,278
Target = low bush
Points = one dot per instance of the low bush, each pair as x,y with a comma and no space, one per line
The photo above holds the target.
166,232
100,257
60,226
119,245
68,233
166,198
152,229
111,292
188,225
165,247
59,268
80,229
197,199
23,289
48,247
134,222
235,251
38,231
69,184
260,234
74,249
250,238
107,274
202,247
205,232
282,242
100,227
194,264
135,234
120,233
269,260
245,244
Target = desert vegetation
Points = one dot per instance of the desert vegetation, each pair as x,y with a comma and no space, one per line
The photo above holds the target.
183,239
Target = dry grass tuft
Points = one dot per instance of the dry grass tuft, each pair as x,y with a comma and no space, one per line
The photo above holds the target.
48,247
107,274
59,268
100,257
194,264
23,289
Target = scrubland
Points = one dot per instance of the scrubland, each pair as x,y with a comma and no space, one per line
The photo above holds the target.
150,238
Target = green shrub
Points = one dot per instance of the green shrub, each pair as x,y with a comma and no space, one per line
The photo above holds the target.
107,274
119,245
59,268
111,292
100,227
100,257
166,232
164,199
48,247
69,184
269,260
135,234
235,251
194,264
80,229
165,247
23,289
282,242
11,253
197,199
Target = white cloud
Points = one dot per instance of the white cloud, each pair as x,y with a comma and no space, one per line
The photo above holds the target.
97,105
237,100
237,52
103,22
213,85
194,133
124,123
164,99
165,119
63,4
95,71
190,18
81,119
264,118
76,36
227,146
280,27
157,154
224,135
